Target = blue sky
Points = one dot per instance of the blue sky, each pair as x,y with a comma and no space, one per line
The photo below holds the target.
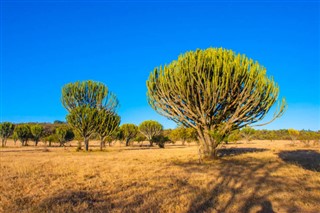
45,45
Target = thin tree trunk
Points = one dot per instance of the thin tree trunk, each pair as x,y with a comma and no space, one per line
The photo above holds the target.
2,142
36,143
127,141
151,142
86,142
101,144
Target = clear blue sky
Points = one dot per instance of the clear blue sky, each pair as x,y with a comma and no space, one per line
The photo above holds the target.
45,45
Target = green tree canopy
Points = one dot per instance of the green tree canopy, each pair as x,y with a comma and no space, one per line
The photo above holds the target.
214,91
108,124
160,140
191,134
179,134
24,133
247,133
84,101
37,132
88,93
64,134
294,134
84,120
6,130
150,129
129,131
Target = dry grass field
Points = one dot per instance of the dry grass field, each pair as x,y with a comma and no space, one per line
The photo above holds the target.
261,176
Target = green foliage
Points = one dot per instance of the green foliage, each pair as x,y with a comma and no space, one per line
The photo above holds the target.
15,137
59,122
51,139
86,102
88,93
140,137
24,133
6,130
85,121
150,129
64,134
108,124
160,140
183,134
307,136
129,131
294,134
234,136
208,89
192,134
247,133
179,134
37,132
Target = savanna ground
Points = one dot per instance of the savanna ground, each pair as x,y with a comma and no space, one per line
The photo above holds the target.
260,176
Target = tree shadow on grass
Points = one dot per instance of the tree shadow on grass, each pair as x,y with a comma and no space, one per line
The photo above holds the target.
245,185
237,151
230,188
307,159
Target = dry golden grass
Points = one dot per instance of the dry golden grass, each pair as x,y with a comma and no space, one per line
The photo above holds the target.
257,177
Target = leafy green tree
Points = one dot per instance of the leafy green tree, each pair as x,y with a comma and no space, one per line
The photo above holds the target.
191,134
234,136
271,135
305,136
83,101
294,134
51,139
37,132
108,124
179,134
84,120
64,134
129,132
24,133
6,130
140,138
88,93
247,133
160,140
150,129
113,137
214,91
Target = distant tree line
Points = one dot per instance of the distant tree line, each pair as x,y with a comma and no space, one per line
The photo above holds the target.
150,131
